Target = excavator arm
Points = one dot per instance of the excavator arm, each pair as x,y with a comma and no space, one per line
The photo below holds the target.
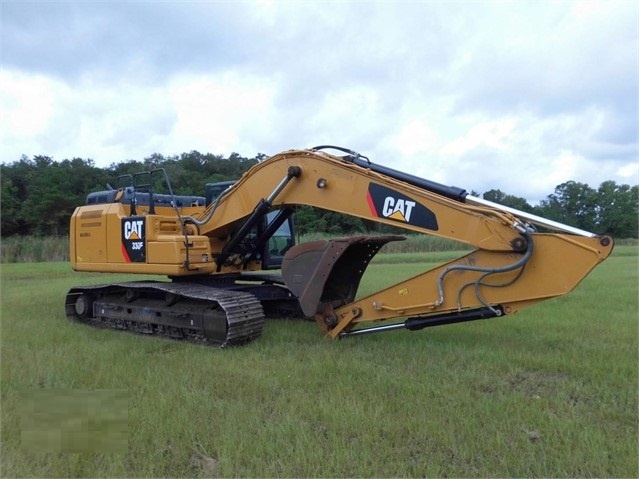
512,266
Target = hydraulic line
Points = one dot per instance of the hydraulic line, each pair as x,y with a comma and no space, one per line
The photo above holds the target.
480,282
520,263
209,214
451,192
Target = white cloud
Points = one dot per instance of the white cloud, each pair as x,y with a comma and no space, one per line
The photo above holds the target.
26,103
631,172
221,113
415,137
564,165
109,124
509,95
493,134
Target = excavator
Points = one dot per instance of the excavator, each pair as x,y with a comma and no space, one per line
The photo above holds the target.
231,260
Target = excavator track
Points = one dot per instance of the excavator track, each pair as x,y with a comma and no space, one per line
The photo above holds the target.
183,311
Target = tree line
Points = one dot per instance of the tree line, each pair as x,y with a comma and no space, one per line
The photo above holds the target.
38,195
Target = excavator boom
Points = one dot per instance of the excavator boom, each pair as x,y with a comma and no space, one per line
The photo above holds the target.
513,265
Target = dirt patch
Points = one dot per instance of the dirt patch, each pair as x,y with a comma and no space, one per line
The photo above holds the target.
533,384
537,384
200,460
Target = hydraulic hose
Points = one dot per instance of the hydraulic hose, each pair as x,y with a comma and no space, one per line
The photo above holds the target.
520,263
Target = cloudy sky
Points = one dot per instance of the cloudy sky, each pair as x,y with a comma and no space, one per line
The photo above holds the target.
519,96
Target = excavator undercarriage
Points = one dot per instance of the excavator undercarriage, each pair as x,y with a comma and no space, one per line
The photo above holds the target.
206,315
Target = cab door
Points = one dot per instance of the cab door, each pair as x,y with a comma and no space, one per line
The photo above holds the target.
278,227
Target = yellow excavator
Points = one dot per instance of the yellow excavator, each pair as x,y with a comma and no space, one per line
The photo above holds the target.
231,259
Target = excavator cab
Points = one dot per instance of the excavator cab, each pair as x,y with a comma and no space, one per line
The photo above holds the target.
270,238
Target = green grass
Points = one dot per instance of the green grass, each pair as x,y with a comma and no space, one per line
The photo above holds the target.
550,391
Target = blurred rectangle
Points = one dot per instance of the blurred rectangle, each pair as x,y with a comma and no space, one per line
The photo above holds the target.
75,420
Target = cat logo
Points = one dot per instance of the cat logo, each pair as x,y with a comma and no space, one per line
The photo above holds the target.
133,230
384,202
398,209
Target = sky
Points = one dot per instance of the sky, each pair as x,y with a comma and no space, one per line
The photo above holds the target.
510,95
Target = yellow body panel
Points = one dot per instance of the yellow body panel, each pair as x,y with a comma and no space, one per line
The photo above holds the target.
98,243
89,234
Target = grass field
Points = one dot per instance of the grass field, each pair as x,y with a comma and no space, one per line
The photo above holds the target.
550,391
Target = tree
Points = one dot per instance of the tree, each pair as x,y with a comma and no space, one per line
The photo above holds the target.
573,204
316,220
307,221
11,220
38,195
516,202
617,210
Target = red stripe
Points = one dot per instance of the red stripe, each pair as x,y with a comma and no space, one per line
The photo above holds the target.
125,254
371,205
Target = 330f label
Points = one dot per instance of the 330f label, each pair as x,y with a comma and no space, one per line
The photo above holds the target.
133,241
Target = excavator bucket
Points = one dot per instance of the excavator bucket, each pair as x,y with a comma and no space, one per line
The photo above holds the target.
327,273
